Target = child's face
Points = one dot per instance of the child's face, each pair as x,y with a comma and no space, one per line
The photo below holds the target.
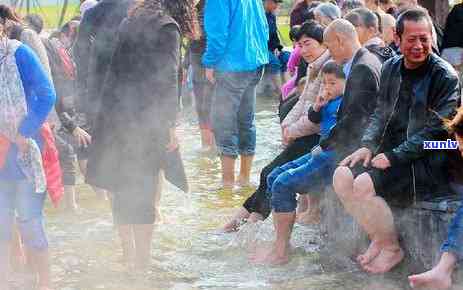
332,86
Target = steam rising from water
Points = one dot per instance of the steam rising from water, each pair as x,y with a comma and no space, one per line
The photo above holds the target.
188,253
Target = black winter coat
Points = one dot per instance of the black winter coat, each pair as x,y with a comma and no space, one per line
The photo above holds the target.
436,96
139,106
94,48
453,36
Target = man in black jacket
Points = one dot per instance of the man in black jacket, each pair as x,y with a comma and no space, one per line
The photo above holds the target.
417,90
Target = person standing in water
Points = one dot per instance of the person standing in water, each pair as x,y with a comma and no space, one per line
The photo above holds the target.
236,51
26,98
135,128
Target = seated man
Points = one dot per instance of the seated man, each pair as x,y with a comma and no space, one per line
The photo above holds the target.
417,90
367,25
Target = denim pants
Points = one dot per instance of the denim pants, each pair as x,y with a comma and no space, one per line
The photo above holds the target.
233,112
454,243
308,174
17,197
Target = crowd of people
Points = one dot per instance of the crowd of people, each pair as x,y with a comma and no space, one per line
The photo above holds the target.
363,87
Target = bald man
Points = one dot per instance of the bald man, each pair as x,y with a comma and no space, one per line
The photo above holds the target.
362,71
388,24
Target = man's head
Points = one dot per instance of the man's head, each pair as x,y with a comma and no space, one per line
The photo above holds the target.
310,40
272,5
341,39
414,31
35,22
388,22
403,5
334,80
365,22
325,13
350,5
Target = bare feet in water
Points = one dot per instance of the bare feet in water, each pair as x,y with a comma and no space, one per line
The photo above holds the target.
267,254
434,279
234,223
372,252
440,277
387,259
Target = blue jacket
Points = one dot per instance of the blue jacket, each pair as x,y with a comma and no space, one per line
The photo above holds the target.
327,116
237,35
40,98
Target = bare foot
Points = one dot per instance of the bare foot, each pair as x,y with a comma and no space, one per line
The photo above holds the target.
434,279
268,255
231,226
372,252
385,261
309,217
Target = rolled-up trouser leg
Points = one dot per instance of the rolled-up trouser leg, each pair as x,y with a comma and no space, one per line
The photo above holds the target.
29,207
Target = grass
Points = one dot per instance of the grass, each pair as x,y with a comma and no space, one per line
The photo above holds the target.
51,14
284,35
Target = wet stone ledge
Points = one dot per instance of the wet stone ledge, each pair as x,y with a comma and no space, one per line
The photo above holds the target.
422,228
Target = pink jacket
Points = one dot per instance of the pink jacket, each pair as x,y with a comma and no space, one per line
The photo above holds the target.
297,122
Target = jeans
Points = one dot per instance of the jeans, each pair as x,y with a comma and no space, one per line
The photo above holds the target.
259,201
454,243
308,174
18,196
233,112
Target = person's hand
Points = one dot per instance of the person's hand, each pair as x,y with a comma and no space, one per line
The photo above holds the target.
173,140
363,154
210,75
381,161
286,137
83,138
319,103
22,143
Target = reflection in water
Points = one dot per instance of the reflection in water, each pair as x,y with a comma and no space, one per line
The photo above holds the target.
188,252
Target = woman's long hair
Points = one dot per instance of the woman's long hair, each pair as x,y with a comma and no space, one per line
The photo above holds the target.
182,11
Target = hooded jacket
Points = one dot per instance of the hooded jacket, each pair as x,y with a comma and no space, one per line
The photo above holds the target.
237,35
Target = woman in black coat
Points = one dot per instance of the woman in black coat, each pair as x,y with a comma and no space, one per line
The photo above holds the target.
135,129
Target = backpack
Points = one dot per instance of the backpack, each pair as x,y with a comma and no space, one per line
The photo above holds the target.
61,63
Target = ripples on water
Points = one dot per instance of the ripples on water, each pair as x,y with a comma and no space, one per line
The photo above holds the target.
188,253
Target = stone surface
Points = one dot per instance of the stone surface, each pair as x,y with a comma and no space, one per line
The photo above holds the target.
422,228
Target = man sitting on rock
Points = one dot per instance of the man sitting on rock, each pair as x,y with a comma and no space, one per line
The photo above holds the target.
417,90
